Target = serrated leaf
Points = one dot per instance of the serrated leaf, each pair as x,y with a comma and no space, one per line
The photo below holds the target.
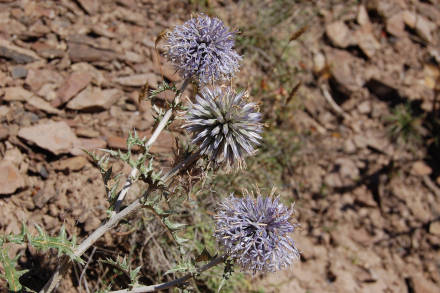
179,239
186,267
173,226
11,275
64,247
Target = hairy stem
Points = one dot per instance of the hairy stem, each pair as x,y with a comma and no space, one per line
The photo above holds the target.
118,216
173,283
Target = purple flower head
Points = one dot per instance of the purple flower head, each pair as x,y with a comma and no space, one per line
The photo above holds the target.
203,48
254,232
224,125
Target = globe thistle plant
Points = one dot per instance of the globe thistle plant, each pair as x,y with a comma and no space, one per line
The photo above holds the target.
202,48
254,232
225,125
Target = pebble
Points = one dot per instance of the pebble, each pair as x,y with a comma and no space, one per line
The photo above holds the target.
138,80
11,179
56,137
76,82
19,72
94,99
16,94
71,164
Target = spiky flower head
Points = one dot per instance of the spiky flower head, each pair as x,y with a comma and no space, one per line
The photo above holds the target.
202,48
225,125
254,232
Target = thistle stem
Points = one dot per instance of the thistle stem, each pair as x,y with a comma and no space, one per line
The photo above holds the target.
163,123
173,283
65,262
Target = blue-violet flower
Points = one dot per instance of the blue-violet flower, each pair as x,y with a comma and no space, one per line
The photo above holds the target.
254,232
202,48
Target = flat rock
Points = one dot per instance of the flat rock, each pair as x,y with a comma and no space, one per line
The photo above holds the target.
4,133
434,228
71,164
82,52
424,28
88,144
339,34
421,169
138,80
17,54
41,104
19,72
86,132
56,137
367,41
17,94
94,99
11,179
76,82
347,71
36,78
90,6
395,25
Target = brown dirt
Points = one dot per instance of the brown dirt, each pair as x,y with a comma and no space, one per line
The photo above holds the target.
368,203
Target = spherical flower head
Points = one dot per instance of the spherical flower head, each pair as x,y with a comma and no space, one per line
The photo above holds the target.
225,125
254,232
202,48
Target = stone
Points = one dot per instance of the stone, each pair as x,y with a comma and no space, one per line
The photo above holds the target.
4,110
339,34
92,223
94,99
16,94
420,284
97,76
56,137
90,6
362,17
4,133
19,72
36,78
47,91
420,168
84,53
434,228
71,164
76,82
41,104
88,144
17,54
138,80
366,41
47,51
347,71
364,107
11,179
318,62
86,132
424,28
117,143
133,57
395,25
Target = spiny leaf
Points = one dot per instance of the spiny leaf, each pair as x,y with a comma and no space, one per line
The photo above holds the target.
173,226
185,267
11,275
60,243
179,239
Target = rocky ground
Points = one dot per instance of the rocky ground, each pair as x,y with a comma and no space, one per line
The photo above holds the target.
365,180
